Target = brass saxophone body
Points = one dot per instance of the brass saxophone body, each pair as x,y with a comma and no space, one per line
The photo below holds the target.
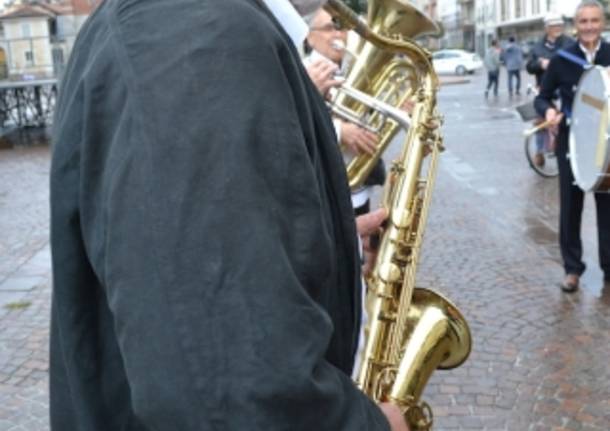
412,331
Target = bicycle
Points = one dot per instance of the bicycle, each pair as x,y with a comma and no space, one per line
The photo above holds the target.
542,160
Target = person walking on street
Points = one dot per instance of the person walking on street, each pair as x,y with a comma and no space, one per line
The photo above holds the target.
513,60
540,56
563,73
492,64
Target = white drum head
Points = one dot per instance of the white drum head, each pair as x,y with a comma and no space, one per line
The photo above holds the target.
589,129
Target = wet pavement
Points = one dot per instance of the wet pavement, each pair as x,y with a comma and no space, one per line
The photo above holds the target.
540,359
24,282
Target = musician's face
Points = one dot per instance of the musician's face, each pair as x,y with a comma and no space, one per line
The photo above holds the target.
589,24
325,38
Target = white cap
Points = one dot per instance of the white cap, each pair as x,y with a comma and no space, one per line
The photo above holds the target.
553,19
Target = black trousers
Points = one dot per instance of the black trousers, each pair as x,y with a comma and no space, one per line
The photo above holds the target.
570,216
492,80
517,75
363,209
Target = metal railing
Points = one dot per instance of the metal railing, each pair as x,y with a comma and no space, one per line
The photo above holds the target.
27,103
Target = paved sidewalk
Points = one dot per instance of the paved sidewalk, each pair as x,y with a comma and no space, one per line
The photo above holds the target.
24,288
540,357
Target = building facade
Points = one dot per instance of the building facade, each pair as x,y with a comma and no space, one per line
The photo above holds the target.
26,43
521,19
36,37
473,24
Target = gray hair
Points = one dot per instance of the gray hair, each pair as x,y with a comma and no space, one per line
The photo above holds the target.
590,3
307,7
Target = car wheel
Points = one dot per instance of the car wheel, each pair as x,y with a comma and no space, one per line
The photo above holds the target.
460,70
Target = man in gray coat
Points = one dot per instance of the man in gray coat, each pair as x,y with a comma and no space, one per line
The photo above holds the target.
513,60
206,270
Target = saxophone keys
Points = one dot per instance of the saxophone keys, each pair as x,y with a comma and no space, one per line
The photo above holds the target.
389,273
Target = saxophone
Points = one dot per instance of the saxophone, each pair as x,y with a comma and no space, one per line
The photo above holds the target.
412,331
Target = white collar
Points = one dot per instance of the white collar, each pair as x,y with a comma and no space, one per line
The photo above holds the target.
290,20
590,55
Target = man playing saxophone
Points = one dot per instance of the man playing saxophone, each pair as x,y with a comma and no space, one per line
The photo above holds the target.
200,283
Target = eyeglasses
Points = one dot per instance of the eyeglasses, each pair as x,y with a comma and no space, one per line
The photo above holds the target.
334,25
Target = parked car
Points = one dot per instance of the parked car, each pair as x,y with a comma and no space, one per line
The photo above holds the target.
456,61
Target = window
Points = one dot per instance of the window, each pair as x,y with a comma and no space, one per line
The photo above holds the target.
503,10
29,58
518,9
26,30
536,7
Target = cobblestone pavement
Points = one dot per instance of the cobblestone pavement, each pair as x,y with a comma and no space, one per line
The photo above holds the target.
540,357
24,288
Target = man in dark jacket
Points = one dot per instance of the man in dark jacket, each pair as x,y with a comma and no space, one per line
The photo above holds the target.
200,281
541,52
563,74
540,56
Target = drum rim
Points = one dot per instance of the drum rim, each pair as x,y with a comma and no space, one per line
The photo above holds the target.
571,141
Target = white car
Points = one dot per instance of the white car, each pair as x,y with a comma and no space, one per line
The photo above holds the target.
456,61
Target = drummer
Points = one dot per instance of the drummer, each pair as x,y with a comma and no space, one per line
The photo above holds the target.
563,74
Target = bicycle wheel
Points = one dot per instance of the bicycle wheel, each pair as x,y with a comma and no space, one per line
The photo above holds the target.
547,165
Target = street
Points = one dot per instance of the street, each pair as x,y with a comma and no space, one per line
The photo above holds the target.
540,357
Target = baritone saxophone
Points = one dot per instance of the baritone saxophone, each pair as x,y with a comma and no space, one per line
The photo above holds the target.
411,331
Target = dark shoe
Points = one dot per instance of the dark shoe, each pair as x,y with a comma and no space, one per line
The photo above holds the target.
570,283
539,160
486,93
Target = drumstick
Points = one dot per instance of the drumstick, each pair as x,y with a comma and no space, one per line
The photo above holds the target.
539,127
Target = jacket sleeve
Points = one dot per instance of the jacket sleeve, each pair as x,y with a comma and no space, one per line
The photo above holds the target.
207,226
550,83
533,64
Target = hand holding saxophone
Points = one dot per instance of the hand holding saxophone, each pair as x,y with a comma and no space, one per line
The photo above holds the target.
369,225
394,417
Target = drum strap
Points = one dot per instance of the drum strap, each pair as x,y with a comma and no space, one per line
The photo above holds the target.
574,59
577,60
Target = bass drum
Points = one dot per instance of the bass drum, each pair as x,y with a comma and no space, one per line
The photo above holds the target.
590,132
